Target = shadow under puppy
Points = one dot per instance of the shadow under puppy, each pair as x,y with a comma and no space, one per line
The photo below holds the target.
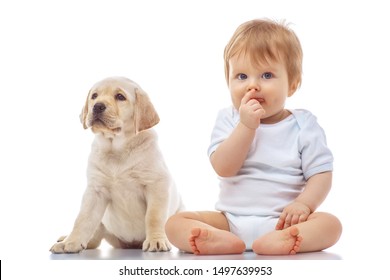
130,193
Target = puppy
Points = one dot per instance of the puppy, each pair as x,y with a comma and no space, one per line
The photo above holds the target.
130,193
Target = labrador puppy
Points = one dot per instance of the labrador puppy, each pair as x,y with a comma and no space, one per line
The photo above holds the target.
130,193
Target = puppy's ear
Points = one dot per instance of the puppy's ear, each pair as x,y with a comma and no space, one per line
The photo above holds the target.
145,114
84,113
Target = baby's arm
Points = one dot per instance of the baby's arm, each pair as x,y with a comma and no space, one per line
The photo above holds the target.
230,155
315,192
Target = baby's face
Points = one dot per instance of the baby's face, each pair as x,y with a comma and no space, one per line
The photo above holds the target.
270,82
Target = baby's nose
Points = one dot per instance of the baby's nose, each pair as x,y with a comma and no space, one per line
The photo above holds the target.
253,84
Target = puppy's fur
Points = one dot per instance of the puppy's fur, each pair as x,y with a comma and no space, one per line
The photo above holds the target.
130,193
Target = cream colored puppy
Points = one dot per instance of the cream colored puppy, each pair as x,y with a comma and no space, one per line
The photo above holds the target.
130,193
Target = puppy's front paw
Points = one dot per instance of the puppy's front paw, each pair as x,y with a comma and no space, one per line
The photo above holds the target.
62,238
67,247
156,245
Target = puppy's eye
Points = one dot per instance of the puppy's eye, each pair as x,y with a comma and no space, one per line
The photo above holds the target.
94,96
120,97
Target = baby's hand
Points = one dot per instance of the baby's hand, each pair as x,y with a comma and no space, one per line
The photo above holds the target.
251,111
293,214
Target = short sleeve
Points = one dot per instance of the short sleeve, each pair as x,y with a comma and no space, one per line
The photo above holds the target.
226,121
315,155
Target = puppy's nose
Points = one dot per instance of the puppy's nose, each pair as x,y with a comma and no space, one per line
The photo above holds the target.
99,108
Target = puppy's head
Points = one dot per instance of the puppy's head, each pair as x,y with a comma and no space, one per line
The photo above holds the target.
115,105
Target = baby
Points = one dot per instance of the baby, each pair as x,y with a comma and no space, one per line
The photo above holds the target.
274,165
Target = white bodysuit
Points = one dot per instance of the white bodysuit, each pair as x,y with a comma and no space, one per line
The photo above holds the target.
282,157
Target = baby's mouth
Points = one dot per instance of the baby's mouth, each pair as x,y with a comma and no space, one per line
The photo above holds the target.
261,100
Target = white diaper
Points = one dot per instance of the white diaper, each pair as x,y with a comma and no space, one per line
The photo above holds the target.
249,228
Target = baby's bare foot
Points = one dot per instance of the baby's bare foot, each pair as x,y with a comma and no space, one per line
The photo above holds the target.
215,242
278,242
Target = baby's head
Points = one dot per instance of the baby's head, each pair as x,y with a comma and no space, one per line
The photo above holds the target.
266,41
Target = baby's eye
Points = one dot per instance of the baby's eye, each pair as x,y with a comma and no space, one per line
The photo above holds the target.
242,76
267,75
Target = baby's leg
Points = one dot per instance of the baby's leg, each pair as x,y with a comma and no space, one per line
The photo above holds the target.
319,232
202,233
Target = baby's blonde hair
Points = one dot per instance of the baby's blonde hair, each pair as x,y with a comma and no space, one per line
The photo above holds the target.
267,41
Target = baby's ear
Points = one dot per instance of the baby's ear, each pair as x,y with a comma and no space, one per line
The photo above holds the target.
293,88
145,113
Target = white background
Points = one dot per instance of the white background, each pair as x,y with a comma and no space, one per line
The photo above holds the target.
51,52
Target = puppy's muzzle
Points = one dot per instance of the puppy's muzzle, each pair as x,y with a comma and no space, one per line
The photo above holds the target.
103,119
98,109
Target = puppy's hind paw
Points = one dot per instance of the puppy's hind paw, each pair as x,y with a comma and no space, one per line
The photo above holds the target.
156,245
